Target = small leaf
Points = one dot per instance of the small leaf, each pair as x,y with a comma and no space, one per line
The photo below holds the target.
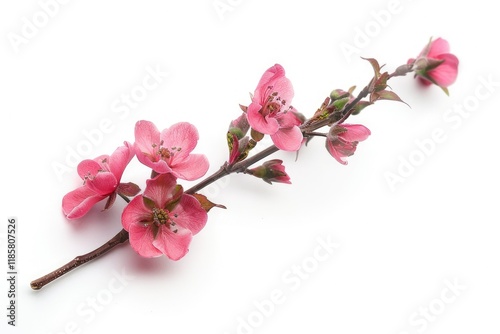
233,145
206,204
256,135
246,146
148,202
237,132
375,65
340,103
176,196
129,189
389,95
110,201
381,82
360,106
320,113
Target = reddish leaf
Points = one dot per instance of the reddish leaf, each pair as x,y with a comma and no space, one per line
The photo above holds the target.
206,204
128,189
375,65
389,95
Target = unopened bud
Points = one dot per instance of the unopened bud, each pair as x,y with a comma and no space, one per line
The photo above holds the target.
271,171
338,94
240,123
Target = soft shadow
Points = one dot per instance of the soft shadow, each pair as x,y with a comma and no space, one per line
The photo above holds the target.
146,266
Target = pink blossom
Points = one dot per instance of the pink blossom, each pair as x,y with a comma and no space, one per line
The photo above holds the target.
342,140
170,150
436,65
271,113
164,219
101,178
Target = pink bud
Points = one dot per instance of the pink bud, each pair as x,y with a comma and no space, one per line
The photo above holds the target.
271,171
342,140
436,65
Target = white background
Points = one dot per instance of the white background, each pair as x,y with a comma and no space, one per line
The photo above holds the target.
398,247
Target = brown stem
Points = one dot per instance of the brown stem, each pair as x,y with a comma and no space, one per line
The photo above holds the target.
349,108
121,237
223,171
226,169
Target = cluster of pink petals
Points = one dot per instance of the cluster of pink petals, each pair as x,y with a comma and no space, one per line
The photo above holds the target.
164,219
436,65
101,180
169,151
342,140
271,113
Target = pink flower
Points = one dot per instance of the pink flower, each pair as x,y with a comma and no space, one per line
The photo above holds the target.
436,65
170,150
271,171
342,140
101,179
271,113
164,219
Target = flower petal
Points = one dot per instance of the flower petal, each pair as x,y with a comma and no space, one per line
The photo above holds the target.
146,134
78,202
120,159
104,183
88,167
191,168
288,119
274,77
173,245
147,142
446,73
437,47
135,212
183,136
160,189
142,240
190,214
161,166
257,121
288,139
332,149
355,132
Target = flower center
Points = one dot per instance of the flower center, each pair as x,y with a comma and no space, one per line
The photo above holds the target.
162,217
166,153
273,104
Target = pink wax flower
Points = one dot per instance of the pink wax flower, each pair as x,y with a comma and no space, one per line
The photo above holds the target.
436,65
342,140
101,178
169,151
271,113
271,171
163,220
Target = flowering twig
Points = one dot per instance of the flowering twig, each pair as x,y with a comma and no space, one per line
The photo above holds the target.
224,170
164,218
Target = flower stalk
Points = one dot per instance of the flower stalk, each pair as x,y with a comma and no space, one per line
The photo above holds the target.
118,239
